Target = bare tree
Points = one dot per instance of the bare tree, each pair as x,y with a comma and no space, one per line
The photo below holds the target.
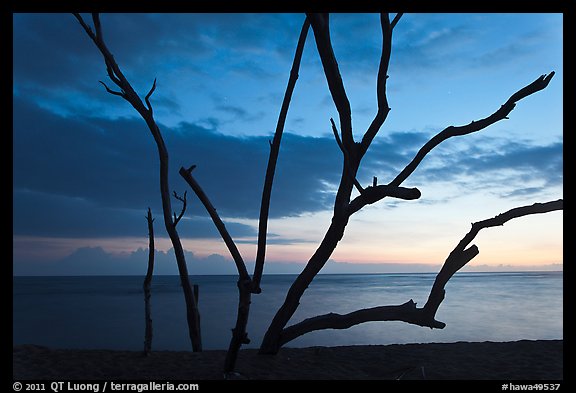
147,286
146,112
344,206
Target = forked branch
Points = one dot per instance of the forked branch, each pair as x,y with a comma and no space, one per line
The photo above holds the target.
408,312
183,200
462,254
112,68
321,26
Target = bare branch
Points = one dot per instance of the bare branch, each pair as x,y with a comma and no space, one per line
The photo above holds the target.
85,26
501,219
383,107
321,26
147,98
183,200
337,137
461,255
116,93
97,26
112,68
346,157
240,265
537,85
374,194
474,126
396,19
273,158
407,312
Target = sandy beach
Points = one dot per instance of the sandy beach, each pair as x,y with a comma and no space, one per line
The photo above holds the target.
518,360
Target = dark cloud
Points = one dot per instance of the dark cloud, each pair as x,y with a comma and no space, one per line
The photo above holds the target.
46,51
57,65
51,49
93,167
92,176
39,214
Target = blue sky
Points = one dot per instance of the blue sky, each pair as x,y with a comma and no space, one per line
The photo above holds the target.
85,166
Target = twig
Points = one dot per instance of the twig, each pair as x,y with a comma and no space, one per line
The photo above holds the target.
183,200
346,157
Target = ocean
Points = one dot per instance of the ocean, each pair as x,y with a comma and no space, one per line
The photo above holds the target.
107,312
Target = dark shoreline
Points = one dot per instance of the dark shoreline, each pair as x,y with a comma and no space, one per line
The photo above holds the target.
516,360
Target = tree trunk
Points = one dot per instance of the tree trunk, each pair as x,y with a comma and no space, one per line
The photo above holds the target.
272,339
239,334
192,313
147,287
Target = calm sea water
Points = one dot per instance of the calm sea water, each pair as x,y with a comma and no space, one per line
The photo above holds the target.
108,312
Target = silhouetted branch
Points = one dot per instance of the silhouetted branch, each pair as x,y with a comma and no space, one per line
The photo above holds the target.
147,286
376,193
383,108
97,26
274,151
461,255
87,28
240,265
396,19
337,137
539,84
321,26
474,126
183,200
408,312
112,68
147,98
346,157
116,93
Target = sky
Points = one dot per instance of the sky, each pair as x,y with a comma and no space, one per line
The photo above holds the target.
85,167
